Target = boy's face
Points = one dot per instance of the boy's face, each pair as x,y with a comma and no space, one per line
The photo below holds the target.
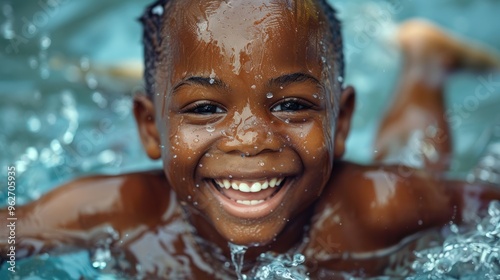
243,119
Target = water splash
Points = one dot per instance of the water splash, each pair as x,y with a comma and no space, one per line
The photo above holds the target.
100,254
237,256
467,253
278,267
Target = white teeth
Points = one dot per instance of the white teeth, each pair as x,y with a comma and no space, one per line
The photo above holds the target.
272,183
256,187
248,186
249,202
244,187
278,182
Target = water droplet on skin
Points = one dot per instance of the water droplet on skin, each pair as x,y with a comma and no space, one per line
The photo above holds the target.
230,176
195,203
287,120
200,165
253,86
210,128
189,197
340,79
315,95
197,185
269,95
196,140
261,163
211,81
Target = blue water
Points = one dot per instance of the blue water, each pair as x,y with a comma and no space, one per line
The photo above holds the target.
63,117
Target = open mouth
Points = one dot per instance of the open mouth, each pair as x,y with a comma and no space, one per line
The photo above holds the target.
252,198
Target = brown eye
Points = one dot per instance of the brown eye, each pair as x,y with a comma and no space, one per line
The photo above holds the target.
290,105
205,109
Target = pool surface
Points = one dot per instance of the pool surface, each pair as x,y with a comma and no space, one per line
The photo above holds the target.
65,114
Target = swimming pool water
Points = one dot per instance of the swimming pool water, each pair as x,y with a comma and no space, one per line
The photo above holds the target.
62,116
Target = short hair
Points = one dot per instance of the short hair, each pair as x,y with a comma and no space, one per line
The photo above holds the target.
153,20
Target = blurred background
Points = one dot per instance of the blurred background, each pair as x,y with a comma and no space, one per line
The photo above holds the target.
65,106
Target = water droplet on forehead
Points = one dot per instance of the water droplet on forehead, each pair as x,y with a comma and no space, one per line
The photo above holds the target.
269,95
253,86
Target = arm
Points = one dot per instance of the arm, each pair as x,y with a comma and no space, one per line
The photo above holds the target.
78,213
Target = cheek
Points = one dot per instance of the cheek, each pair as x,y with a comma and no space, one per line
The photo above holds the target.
185,146
313,143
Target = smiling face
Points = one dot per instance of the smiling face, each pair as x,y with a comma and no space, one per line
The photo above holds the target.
244,113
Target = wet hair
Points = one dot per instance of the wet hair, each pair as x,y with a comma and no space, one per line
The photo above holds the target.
153,19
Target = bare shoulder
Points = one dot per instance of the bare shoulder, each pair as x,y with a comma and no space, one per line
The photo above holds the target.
390,200
119,200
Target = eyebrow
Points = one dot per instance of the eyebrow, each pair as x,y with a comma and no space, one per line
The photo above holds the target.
282,80
287,79
202,81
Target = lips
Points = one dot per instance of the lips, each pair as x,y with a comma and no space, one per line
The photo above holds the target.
250,198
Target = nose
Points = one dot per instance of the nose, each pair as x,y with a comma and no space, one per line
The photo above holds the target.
249,135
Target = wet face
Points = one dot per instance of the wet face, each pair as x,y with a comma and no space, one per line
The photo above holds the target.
243,117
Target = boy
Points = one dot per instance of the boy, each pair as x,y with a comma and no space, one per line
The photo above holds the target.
245,107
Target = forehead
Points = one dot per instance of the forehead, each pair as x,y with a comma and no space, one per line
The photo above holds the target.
243,35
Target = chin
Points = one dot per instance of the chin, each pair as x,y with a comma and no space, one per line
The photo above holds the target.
250,233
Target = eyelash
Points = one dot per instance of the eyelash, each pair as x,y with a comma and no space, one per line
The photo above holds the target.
303,105
209,108
197,108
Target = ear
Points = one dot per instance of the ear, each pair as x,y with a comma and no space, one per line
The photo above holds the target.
346,109
144,116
